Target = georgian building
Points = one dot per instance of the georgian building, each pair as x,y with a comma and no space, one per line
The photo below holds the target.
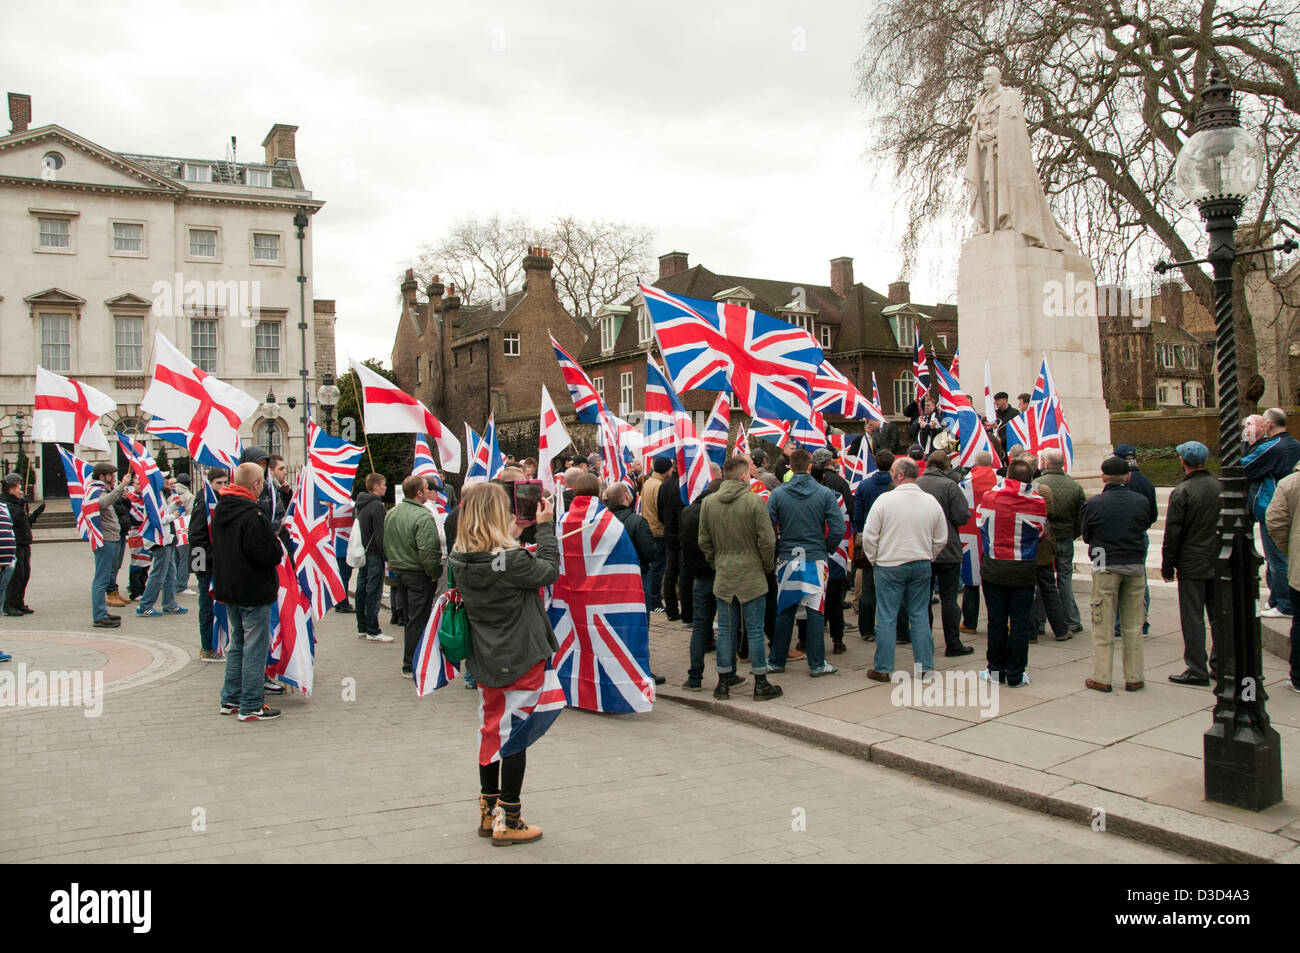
103,248
1150,358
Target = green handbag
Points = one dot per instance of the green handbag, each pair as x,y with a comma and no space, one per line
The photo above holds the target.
453,629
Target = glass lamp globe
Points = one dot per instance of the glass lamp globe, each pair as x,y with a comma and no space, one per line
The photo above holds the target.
327,394
1221,163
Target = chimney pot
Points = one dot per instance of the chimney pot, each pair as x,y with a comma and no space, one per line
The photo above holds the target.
899,292
673,263
20,112
842,276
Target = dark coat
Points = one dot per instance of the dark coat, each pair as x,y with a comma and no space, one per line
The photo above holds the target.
509,631
1191,543
1138,483
806,518
670,507
22,521
370,514
245,552
638,530
955,510
1114,526
866,494
200,542
692,555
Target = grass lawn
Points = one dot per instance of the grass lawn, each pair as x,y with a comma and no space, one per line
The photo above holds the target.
1167,471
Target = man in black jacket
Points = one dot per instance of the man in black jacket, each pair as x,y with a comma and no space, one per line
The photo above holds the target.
824,472
1114,527
245,554
619,500
946,569
1191,549
369,523
670,514
201,563
1139,483
705,605
11,495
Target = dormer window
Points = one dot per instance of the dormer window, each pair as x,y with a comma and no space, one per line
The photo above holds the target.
824,337
607,334
196,172
260,178
644,326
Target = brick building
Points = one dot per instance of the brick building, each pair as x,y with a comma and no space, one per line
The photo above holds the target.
467,362
1155,360
860,330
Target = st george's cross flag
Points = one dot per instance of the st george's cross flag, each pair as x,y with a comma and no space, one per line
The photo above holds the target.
582,392
389,409
801,582
551,442
209,410
429,666
334,463
512,718
990,406
833,393
292,658
597,610
1012,520
742,441
68,411
314,558
180,436
768,364
717,429
149,485
83,493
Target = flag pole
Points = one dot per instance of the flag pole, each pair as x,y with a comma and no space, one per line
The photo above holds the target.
362,408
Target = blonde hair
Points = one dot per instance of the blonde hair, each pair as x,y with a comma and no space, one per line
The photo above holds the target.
484,525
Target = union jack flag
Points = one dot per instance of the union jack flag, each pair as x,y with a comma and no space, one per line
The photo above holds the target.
717,429
430,667
84,493
959,414
597,610
834,394
1012,518
425,467
801,582
920,369
860,466
974,485
842,558
292,658
149,485
207,456
485,460
333,462
220,615
692,462
768,364
742,441
953,369
775,431
810,434
341,519
613,459
875,391
1044,384
586,401
180,521
314,558
1042,427
661,410
512,718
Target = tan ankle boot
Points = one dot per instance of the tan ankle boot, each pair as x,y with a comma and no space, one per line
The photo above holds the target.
115,600
485,811
504,834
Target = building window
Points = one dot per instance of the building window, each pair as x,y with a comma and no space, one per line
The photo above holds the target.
905,331
271,439
56,342
1165,355
1195,395
1126,349
824,337
197,173
802,321
266,247
1191,359
128,237
258,177
943,340
625,393
53,161
128,344
904,391
55,232
599,384
606,334
267,347
418,377
644,326
735,402
512,344
203,344
203,243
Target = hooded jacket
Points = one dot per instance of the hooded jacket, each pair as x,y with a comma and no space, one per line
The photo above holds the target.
509,631
737,540
245,552
370,522
807,520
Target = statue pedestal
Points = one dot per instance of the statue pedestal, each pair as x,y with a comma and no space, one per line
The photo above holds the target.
1016,304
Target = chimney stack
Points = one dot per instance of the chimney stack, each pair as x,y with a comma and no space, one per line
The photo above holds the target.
842,276
537,271
673,263
408,290
899,292
20,112
1171,303
279,143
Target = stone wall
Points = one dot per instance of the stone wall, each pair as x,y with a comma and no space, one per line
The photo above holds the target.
1166,428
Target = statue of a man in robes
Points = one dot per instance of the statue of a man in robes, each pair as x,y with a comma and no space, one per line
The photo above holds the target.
1005,192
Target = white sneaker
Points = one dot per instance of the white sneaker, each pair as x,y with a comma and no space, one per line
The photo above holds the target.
1273,612
379,638
188,592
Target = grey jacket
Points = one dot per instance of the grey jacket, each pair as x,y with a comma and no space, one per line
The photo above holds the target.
107,517
955,510
509,631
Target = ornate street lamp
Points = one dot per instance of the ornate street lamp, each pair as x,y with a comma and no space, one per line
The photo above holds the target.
1216,169
270,411
327,395
20,425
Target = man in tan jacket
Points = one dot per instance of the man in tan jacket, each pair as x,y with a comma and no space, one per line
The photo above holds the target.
1283,522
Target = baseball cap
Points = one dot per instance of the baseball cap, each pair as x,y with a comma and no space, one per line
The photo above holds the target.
1125,450
822,457
1114,466
1194,452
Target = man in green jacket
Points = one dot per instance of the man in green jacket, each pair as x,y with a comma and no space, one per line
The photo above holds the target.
412,549
1063,516
736,538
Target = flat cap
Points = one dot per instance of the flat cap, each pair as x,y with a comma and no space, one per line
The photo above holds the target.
1114,466
1194,452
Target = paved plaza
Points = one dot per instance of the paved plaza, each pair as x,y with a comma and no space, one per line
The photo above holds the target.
391,777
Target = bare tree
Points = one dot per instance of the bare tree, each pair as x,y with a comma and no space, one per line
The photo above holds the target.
1111,90
595,262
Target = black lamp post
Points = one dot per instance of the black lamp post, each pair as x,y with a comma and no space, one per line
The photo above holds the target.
270,410
1216,169
300,220
20,425
327,395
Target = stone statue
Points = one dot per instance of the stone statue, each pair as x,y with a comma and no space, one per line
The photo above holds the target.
1005,192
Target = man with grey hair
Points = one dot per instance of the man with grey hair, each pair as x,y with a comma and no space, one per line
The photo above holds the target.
1063,515
905,531
1270,460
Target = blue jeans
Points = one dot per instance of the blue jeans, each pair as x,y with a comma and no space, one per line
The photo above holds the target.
250,640
1065,582
162,579
1010,610
730,614
704,607
181,557
814,640
105,559
5,575
206,641
1275,574
653,580
904,588
370,588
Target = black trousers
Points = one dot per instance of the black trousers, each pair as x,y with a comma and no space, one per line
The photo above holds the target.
686,587
17,593
947,576
1195,597
1047,602
970,606
504,777
835,608
419,591
672,570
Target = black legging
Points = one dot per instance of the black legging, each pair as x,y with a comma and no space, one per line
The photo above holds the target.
504,777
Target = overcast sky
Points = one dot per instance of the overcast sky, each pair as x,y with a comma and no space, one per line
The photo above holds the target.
730,128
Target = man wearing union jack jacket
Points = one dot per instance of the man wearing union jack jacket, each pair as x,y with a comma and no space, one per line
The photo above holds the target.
102,488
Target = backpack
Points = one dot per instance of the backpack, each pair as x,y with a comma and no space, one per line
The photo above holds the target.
356,556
